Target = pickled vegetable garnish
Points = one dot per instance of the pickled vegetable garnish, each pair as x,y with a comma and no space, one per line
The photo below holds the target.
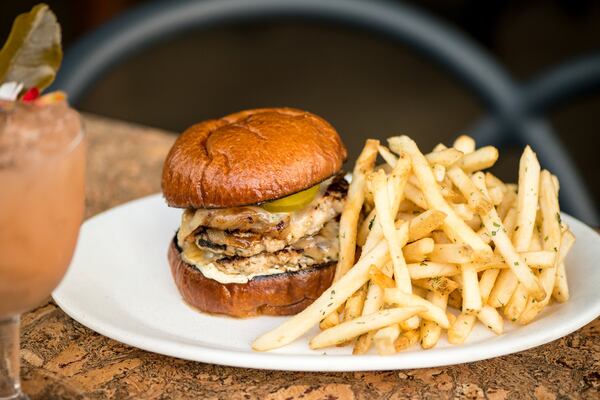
32,53
293,202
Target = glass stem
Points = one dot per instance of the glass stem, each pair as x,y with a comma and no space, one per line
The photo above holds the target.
10,383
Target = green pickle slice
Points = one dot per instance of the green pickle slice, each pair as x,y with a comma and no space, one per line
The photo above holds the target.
293,202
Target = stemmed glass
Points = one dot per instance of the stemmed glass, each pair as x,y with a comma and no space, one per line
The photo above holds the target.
42,170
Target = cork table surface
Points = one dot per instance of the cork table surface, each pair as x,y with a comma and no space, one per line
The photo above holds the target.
62,359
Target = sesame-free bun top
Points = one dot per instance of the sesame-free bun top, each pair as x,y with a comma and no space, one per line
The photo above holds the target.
250,157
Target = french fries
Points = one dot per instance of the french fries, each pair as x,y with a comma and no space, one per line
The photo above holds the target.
551,229
470,289
373,302
418,250
439,171
396,238
439,284
350,216
425,223
527,201
499,235
436,233
475,199
464,143
385,340
328,302
415,195
387,155
428,269
431,330
451,253
351,212
354,304
561,288
486,283
430,311
406,340
491,318
453,225
380,279
455,300
482,158
365,228
461,328
444,157
350,329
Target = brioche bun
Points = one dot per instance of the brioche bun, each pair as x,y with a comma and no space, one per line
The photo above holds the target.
286,293
250,157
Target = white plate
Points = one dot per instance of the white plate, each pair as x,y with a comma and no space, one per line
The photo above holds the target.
120,285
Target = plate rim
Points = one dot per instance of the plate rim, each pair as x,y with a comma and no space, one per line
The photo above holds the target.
307,362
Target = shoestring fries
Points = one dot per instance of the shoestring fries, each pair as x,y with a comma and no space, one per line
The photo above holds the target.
443,247
350,216
454,226
527,202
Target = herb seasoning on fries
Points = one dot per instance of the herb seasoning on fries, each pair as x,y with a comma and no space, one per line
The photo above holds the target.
443,246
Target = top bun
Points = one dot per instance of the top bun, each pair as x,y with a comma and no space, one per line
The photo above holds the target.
250,157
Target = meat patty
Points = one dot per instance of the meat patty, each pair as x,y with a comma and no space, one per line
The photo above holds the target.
312,250
250,241
255,219
246,243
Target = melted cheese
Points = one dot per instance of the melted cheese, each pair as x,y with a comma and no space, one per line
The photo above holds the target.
321,248
322,244
203,262
298,220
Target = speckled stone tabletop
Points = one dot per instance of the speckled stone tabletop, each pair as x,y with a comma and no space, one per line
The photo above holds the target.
65,360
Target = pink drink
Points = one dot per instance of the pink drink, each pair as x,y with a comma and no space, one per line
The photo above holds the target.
42,168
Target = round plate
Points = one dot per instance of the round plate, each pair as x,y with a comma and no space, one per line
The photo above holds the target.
120,285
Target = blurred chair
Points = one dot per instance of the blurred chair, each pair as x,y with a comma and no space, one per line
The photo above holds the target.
512,110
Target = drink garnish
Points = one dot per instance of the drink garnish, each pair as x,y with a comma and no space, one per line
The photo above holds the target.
30,95
32,53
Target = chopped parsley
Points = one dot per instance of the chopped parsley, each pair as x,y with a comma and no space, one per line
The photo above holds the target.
371,223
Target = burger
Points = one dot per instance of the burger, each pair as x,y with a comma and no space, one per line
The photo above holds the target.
262,191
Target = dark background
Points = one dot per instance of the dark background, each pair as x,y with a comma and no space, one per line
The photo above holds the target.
365,85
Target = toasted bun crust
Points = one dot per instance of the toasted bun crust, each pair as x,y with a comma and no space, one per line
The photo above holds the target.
280,294
250,157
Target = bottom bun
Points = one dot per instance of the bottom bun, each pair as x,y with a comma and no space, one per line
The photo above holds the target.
287,293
